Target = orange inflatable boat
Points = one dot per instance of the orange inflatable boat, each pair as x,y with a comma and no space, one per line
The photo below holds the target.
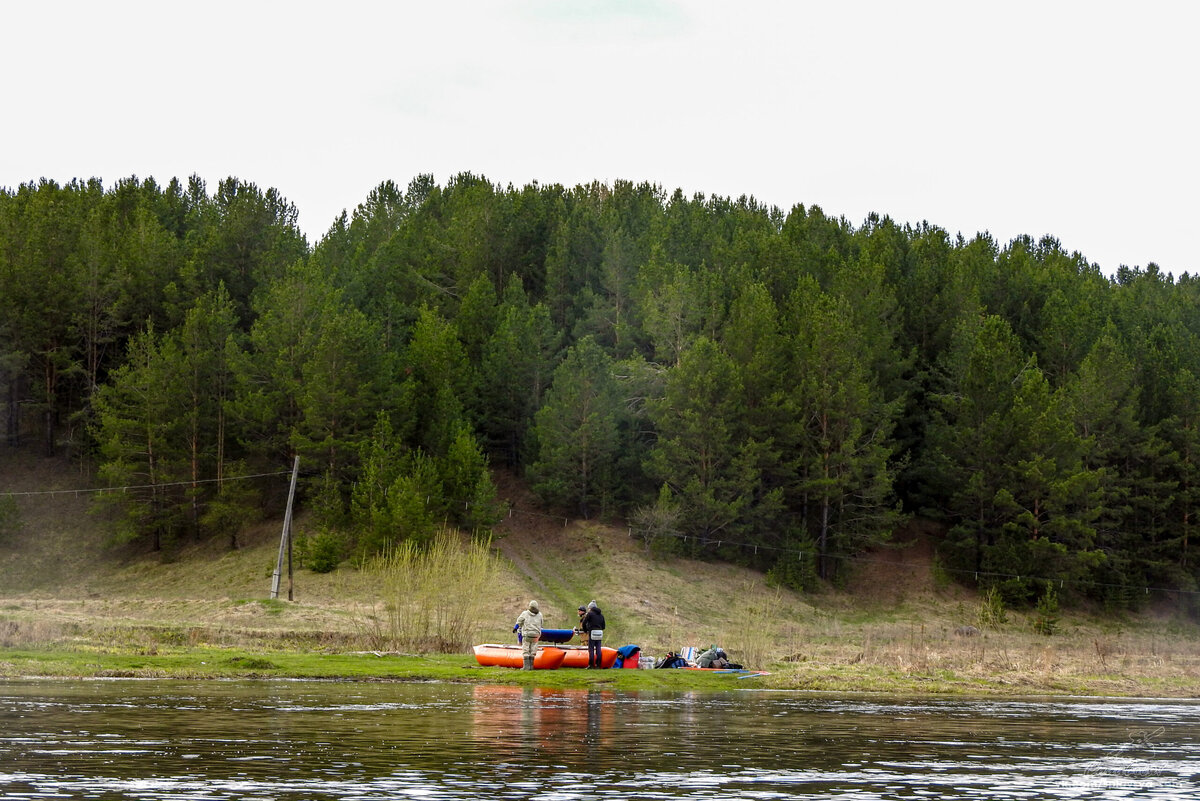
577,656
493,655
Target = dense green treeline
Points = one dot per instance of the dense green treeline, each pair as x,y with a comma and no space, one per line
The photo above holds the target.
732,379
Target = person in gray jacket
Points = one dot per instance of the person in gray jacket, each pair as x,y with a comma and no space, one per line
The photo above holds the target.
529,624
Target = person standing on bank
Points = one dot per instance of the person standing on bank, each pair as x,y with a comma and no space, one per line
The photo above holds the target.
529,624
593,630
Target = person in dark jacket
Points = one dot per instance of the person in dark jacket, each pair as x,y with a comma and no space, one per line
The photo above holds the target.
593,630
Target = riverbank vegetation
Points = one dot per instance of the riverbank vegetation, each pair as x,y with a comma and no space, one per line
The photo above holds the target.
780,389
896,626
761,406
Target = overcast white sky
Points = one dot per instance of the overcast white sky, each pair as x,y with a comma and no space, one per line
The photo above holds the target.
1076,119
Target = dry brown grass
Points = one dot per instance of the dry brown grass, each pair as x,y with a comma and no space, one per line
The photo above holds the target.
1155,658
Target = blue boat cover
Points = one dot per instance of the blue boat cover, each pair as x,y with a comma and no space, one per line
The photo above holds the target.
557,635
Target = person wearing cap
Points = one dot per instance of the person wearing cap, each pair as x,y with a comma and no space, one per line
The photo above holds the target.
592,625
529,624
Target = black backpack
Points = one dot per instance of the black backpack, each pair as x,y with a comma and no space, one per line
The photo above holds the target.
671,660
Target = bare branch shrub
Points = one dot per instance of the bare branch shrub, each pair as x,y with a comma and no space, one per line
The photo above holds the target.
434,594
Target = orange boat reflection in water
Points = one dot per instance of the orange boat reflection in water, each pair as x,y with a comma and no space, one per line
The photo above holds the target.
558,721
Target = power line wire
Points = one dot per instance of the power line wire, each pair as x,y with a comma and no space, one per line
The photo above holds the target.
128,487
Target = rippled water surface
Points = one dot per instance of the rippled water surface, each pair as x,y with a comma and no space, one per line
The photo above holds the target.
354,740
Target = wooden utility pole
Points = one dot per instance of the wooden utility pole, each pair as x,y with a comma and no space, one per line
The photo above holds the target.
285,539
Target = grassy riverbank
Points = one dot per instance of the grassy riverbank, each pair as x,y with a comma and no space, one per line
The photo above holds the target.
72,606
997,665
205,662
222,663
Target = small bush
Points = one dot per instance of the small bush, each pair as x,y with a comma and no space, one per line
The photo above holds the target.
323,552
792,573
1045,619
992,613
251,663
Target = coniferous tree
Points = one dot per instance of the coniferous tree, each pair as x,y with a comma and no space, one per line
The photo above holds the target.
270,379
436,367
577,432
758,349
137,429
1135,469
968,437
467,486
844,477
41,288
515,371
669,302
699,436
345,378
1049,500
1175,549
208,350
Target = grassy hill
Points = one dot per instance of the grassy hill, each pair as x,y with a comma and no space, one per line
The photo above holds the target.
893,627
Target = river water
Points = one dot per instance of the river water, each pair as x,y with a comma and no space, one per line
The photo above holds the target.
291,740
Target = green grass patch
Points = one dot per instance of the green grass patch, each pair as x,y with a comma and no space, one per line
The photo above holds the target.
252,663
196,663
231,663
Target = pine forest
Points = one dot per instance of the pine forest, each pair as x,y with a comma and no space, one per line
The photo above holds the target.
779,389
